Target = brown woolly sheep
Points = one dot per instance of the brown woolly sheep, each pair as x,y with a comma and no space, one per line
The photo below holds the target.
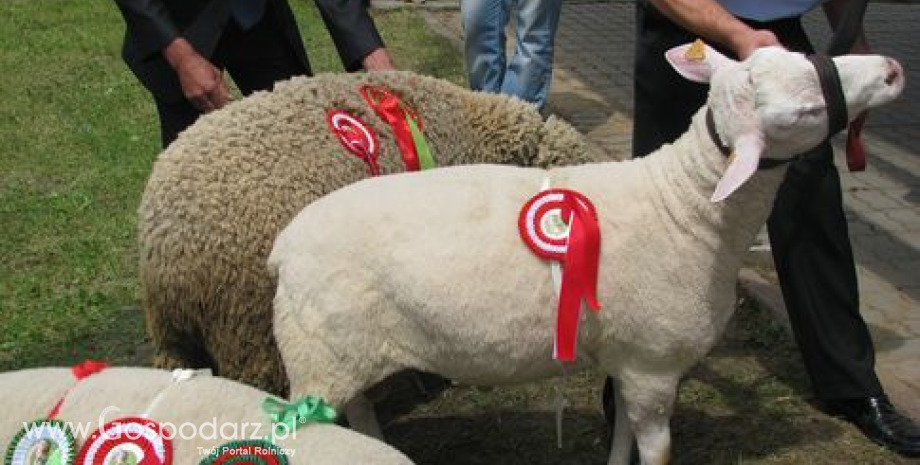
219,195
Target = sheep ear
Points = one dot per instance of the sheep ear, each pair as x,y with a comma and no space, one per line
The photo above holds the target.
696,61
742,165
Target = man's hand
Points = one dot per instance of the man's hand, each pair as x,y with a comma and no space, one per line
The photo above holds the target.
745,44
378,60
713,23
202,83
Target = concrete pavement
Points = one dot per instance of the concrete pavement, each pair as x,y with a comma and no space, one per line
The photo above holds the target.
592,89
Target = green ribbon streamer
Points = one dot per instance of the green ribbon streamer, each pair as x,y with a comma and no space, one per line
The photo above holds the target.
309,409
425,158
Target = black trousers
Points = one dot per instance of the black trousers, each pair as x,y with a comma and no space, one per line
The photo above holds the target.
808,229
255,59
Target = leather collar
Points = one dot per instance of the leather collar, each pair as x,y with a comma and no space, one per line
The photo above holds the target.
764,164
834,100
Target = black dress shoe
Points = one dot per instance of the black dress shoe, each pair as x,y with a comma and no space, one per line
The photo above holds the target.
880,422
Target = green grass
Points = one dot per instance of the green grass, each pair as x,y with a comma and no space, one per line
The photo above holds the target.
78,136
77,139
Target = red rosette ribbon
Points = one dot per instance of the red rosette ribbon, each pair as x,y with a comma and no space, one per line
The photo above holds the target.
88,368
856,151
356,136
144,440
80,371
561,225
395,113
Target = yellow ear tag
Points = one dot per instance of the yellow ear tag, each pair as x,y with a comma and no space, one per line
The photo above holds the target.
696,52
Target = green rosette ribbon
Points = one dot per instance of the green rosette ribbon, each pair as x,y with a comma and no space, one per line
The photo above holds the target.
406,124
54,439
425,158
289,417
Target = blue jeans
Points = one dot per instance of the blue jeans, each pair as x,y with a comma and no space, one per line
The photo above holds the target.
529,73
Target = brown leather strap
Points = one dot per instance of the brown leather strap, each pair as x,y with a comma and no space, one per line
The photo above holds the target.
711,128
764,164
833,93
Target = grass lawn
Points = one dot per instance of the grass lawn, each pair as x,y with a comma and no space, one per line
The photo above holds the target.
78,136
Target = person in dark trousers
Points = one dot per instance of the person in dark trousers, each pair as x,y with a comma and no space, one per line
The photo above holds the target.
807,227
178,49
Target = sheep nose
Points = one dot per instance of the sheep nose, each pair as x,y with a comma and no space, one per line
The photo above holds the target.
895,72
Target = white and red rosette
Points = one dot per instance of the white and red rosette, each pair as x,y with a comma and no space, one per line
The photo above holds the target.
142,439
356,136
561,225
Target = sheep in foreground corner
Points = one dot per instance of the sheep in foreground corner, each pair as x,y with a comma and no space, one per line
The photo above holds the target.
199,414
429,270
219,195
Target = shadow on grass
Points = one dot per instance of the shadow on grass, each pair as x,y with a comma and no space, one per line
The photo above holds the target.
529,438
120,342
509,437
747,403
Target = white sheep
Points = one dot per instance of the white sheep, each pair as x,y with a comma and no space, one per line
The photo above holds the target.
428,271
220,193
195,407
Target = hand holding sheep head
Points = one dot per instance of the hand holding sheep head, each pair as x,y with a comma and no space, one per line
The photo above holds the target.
784,112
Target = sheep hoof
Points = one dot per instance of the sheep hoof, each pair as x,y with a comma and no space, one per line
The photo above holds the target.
362,417
170,362
166,362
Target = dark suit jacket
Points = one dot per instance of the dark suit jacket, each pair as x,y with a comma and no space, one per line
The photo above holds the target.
153,24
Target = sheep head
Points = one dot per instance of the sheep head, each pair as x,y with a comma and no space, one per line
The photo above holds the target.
771,105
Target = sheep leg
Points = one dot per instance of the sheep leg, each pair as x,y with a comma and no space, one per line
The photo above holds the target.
654,437
337,370
165,360
165,306
649,402
343,390
173,350
362,418
245,350
621,449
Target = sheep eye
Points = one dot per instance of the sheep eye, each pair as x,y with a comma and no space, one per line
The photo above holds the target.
811,113
788,118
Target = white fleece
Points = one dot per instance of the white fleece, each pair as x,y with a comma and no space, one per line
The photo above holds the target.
427,270
30,394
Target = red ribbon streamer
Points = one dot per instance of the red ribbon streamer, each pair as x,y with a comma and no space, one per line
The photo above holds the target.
392,111
579,280
856,152
580,260
80,371
88,368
